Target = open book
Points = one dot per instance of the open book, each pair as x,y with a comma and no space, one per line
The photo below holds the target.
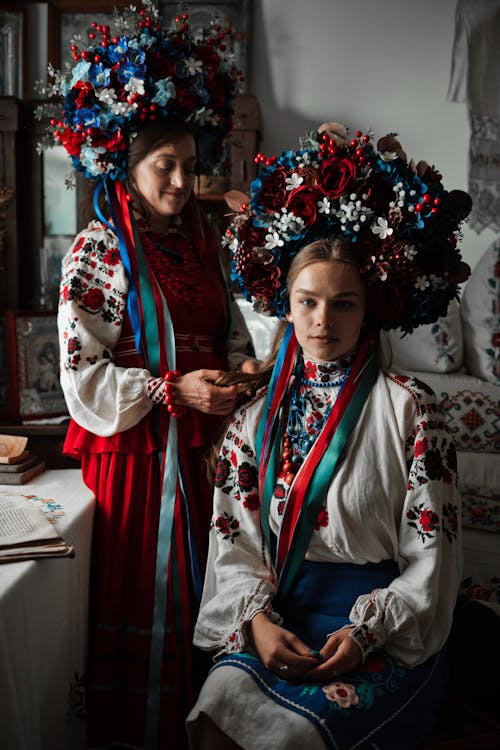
25,532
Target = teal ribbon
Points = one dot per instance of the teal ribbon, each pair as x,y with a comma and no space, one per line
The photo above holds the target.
322,477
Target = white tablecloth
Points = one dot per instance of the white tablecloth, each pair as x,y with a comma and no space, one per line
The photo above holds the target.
43,625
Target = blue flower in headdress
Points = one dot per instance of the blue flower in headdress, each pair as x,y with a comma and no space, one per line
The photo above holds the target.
130,70
116,52
86,117
99,75
80,73
165,90
89,159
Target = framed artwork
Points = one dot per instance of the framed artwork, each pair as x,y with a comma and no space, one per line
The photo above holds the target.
13,35
69,17
33,365
201,13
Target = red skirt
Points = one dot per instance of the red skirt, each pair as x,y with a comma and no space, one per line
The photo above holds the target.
127,490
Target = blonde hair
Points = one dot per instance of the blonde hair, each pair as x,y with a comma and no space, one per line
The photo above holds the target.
326,249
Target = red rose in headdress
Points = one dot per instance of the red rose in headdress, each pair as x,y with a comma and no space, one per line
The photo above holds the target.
262,281
72,141
336,176
84,94
250,235
272,194
303,202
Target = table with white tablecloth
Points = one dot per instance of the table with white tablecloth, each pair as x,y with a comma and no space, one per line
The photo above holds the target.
43,624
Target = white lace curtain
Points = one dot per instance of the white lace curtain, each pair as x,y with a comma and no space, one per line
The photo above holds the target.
475,80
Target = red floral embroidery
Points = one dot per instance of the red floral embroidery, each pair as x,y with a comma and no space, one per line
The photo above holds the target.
420,447
424,520
252,501
93,300
227,527
322,519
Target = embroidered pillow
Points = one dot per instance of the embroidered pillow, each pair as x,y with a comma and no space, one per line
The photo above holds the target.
437,347
480,509
471,407
480,312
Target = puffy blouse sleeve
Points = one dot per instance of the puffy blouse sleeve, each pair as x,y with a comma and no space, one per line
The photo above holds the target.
101,397
240,580
411,618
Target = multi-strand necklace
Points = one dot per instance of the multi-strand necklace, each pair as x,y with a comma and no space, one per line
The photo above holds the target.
312,397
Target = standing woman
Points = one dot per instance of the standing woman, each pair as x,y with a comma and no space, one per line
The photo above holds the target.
334,555
146,330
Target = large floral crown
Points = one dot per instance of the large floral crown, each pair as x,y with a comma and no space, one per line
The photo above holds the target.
135,72
396,213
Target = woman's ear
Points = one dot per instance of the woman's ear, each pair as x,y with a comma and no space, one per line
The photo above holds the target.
289,317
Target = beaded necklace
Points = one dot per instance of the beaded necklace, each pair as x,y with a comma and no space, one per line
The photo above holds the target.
176,267
308,410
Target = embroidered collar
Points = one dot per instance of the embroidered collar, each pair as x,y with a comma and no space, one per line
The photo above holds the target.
325,374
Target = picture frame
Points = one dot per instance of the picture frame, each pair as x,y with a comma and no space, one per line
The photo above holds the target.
33,387
13,50
237,12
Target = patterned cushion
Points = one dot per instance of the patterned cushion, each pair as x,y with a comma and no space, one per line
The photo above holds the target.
480,509
432,348
480,312
472,410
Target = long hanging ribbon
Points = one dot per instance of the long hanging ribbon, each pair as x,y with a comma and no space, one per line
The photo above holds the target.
312,481
133,300
145,299
310,487
268,431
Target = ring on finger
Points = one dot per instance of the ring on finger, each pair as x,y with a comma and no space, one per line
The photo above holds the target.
283,668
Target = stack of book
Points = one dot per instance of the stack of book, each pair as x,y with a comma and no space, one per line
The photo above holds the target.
17,464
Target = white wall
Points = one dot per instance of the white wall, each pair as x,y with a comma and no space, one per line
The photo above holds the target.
380,64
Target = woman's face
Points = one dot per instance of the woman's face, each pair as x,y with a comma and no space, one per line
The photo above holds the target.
165,178
327,308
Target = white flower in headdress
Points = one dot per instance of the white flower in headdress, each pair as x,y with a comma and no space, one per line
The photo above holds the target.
293,181
135,86
324,206
422,283
273,240
410,251
106,96
193,66
382,228
206,115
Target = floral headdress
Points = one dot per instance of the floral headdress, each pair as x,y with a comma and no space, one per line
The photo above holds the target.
137,71
397,215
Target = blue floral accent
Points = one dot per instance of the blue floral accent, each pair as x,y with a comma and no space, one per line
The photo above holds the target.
139,71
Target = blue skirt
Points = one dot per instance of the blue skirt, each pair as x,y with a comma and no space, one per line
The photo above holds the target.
381,704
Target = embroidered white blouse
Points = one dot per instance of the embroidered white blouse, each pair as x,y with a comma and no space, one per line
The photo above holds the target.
101,396
394,496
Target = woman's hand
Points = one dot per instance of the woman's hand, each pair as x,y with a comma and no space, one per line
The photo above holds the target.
279,650
197,389
340,654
